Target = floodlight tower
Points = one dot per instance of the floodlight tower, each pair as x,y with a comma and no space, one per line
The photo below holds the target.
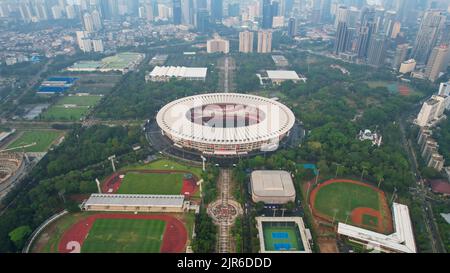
98,185
111,158
204,162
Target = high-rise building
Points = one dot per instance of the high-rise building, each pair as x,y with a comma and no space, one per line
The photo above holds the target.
401,54
376,51
267,17
264,41
176,10
292,27
341,15
88,22
246,42
431,26
365,32
217,45
70,12
233,9
187,12
96,20
216,10
97,45
148,11
432,111
407,66
437,63
341,42
202,21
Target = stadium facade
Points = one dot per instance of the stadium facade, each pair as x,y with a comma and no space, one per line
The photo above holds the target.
225,124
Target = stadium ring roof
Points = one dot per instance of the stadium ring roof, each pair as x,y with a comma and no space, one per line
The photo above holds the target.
260,119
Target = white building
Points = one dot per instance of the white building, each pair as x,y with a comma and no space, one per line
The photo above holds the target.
272,187
401,241
375,138
97,45
279,76
432,111
218,45
165,73
407,66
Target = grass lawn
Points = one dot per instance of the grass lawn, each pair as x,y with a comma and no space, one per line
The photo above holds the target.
43,140
151,183
289,238
60,113
125,236
164,164
369,220
80,100
342,198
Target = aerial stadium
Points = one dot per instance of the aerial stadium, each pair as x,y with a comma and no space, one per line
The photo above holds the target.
225,124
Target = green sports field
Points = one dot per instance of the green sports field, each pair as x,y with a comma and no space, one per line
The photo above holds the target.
79,106
338,200
289,240
42,138
124,236
151,183
165,164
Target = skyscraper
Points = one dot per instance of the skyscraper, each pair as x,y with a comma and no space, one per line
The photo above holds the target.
216,10
377,47
432,24
267,18
246,42
340,44
401,54
202,21
365,32
233,9
176,7
292,27
437,63
88,22
96,19
264,42
187,12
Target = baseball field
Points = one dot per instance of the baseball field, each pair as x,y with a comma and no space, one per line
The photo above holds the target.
352,202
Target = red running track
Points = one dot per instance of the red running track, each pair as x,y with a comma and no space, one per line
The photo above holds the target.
174,239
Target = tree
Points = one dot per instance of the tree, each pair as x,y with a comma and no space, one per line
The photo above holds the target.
19,235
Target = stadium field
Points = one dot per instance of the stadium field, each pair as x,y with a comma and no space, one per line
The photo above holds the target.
124,236
352,202
165,164
80,100
151,183
42,138
281,237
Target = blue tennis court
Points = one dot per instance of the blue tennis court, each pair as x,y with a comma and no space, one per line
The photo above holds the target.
282,246
280,235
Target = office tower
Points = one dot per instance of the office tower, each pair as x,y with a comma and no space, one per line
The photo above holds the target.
187,12
202,21
437,63
376,51
176,9
88,22
341,15
148,11
341,42
201,4
218,45
217,10
401,54
396,30
432,24
315,11
96,20
264,42
274,8
325,11
292,27
246,42
365,32
233,10
267,18
390,18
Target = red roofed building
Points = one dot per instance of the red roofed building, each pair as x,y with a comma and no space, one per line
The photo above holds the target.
440,186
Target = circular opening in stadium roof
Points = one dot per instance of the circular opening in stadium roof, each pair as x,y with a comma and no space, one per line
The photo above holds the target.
225,115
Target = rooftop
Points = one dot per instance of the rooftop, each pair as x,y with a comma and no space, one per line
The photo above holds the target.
143,200
179,71
283,75
272,184
402,240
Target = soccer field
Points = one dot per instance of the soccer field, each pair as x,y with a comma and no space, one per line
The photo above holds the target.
43,140
79,106
125,236
338,200
281,238
151,183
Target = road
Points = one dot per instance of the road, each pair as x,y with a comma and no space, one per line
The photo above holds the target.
224,244
427,210
227,67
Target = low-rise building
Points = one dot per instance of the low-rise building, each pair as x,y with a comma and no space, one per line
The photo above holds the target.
165,73
272,187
